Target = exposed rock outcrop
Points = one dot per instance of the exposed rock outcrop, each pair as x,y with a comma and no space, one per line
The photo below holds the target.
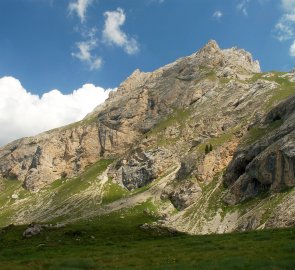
268,164
140,167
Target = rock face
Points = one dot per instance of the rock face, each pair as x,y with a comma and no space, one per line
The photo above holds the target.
268,163
201,135
182,195
39,160
141,167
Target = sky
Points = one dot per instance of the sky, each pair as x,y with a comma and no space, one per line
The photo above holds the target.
60,58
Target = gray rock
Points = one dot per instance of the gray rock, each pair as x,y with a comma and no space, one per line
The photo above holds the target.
34,229
267,164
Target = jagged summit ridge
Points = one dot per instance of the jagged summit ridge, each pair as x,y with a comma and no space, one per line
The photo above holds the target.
231,62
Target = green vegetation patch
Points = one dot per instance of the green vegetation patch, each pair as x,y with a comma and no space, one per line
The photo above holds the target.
117,242
218,141
7,189
286,87
257,133
65,188
178,119
58,201
112,192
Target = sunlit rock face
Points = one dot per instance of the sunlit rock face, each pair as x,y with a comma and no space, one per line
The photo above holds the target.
204,138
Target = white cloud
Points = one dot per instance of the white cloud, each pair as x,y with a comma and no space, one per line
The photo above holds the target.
292,49
85,50
95,63
24,114
113,34
284,29
84,53
217,15
80,8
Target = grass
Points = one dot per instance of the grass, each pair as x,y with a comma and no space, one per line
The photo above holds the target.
65,188
257,133
177,117
8,188
208,73
216,142
57,201
113,192
286,88
117,242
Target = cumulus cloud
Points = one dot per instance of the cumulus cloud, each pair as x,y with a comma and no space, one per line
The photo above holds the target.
80,8
114,35
217,15
24,114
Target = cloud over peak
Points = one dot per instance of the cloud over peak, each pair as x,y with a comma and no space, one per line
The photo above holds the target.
24,114
114,35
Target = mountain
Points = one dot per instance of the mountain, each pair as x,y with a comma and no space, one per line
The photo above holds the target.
206,143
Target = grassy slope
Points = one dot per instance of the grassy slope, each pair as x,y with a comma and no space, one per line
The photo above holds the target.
286,87
117,242
60,199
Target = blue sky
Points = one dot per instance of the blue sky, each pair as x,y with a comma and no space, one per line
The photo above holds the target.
39,37
72,50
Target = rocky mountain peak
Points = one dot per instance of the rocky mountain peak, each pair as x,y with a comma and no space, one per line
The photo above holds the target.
237,61
211,46
141,102
173,136
136,79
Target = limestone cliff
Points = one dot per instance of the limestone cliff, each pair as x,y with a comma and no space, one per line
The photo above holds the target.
203,138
